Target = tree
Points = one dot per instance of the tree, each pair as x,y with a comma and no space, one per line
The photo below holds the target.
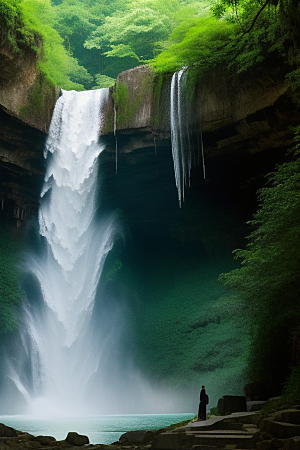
131,35
268,280
140,31
54,60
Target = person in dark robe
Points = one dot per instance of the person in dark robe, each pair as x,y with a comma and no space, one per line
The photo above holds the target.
202,404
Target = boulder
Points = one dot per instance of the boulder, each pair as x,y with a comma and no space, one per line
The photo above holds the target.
7,431
257,391
45,440
137,437
279,430
76,439
288,416
276,444
231,403
169,441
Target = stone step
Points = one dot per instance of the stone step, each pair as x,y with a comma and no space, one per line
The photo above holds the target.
280,430
181,440
291,415
223,432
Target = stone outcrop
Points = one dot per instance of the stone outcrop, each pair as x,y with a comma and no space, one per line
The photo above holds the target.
258,390
76,439
237,116
231,403
138,437
25,92
27,100
280,430
235,113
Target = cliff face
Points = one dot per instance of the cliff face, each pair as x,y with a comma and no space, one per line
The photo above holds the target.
24,92
27,100
236,115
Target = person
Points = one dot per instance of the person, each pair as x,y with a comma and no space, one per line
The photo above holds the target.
202,404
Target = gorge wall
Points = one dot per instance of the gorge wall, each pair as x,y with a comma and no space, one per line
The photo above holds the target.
27,100
167,265
237,115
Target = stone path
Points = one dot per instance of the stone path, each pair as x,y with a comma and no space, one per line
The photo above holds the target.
246,430
239,430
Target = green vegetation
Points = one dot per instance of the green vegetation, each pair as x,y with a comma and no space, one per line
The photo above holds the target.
84,44
243,35
10,293
40,95
127,105
81,41
268,280
27,27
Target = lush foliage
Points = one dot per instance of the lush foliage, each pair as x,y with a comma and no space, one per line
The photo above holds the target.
198,41
268,280
13,32
245,35
83,39
27,26
10,293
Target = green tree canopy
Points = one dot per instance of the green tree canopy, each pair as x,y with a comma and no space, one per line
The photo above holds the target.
268,280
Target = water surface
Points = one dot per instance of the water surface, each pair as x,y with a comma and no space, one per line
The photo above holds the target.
99,429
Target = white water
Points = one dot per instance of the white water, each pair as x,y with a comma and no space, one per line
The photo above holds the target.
184,151
181,150
69,359
63,355
58,338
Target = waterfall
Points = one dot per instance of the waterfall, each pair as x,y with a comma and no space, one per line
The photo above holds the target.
63,348
185,151
73,353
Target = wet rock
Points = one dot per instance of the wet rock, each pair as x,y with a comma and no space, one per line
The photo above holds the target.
229,404
280,430
7,431
76,439
292,443
137,437
45,440
257,391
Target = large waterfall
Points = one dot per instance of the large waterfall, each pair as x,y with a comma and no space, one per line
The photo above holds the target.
63,355
62,349
74,353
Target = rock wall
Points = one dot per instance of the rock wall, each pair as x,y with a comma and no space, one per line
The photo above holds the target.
27,100
235,113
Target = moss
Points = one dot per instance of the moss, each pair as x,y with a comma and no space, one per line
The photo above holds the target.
14,33
160,103
10,292
40,100
130,95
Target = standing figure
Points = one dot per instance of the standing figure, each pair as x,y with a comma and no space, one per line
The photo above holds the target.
202,404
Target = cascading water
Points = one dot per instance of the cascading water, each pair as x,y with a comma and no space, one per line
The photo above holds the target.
181,153
68,357
73,352
64,354
184,151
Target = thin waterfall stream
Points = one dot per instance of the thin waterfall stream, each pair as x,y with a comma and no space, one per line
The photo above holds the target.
185,152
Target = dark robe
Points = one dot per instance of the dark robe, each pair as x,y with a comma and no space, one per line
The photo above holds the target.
202,405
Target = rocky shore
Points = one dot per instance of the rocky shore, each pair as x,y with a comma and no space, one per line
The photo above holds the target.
253,430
